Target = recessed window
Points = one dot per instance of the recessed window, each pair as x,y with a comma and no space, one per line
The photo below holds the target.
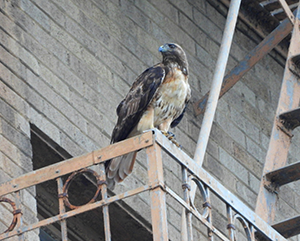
87,226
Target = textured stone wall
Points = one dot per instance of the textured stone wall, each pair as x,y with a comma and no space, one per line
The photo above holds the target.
66,64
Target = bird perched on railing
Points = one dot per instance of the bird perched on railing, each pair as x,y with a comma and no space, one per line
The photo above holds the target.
157,99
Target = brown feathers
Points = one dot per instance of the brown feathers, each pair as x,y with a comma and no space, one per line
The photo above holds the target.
157,99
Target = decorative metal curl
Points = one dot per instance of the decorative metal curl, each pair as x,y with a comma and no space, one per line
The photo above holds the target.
244,224
15,213
67,184
206,204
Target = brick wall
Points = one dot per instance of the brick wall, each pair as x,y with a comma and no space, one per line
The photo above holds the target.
66,64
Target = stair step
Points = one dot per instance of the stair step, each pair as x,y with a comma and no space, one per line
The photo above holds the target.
296,60
285,174
294,65
291,119
289,227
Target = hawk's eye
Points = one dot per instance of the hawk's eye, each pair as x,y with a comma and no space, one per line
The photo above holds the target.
172,46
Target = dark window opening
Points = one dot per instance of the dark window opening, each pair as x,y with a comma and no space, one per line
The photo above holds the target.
125,223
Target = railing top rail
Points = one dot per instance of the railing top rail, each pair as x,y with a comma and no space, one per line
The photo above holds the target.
74,164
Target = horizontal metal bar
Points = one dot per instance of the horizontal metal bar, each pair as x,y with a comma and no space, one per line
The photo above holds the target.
261,50
79,210
288,228
196,214
216,187
285,174
77,163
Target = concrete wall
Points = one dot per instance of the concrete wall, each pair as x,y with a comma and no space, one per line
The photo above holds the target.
66,64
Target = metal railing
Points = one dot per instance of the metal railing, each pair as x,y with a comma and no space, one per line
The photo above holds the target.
154,143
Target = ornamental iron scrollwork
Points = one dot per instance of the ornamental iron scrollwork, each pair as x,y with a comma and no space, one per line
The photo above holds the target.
71,178
247,229
15,213
205,195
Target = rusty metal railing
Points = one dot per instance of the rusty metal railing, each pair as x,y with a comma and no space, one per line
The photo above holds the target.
154,143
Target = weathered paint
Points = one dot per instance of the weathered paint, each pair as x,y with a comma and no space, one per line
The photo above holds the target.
157,194
261,50
62,209
15,213
217,188
74,212
280,139
285,174
77,163
105,210
289,228
158,191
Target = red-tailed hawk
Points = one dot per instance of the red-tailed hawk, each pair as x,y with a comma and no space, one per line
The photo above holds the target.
157,99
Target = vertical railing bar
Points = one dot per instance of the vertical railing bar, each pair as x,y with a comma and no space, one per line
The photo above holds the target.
209,217
186,217
190,226
216,85
20,216
157,194
62,209
105,208
184,234
230,225
252,232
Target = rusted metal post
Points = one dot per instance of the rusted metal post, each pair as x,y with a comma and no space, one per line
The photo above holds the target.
62,210
216,85
105,207
280,138
157,194
20,218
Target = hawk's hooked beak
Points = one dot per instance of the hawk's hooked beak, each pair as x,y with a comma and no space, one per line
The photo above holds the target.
163,48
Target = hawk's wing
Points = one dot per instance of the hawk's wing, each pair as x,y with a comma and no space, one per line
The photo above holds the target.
136,102
179,118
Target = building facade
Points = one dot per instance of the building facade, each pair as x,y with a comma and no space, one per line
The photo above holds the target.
66,64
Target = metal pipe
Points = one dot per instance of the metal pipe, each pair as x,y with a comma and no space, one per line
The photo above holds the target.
255,55
105,211
216,84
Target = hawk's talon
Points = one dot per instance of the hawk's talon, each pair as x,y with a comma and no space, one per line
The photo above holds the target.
176,143
171,137
165,133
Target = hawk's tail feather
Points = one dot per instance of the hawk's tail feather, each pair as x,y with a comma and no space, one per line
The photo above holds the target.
126,165
119,168
113,167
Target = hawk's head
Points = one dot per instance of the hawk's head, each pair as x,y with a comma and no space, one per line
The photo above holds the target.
173,54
